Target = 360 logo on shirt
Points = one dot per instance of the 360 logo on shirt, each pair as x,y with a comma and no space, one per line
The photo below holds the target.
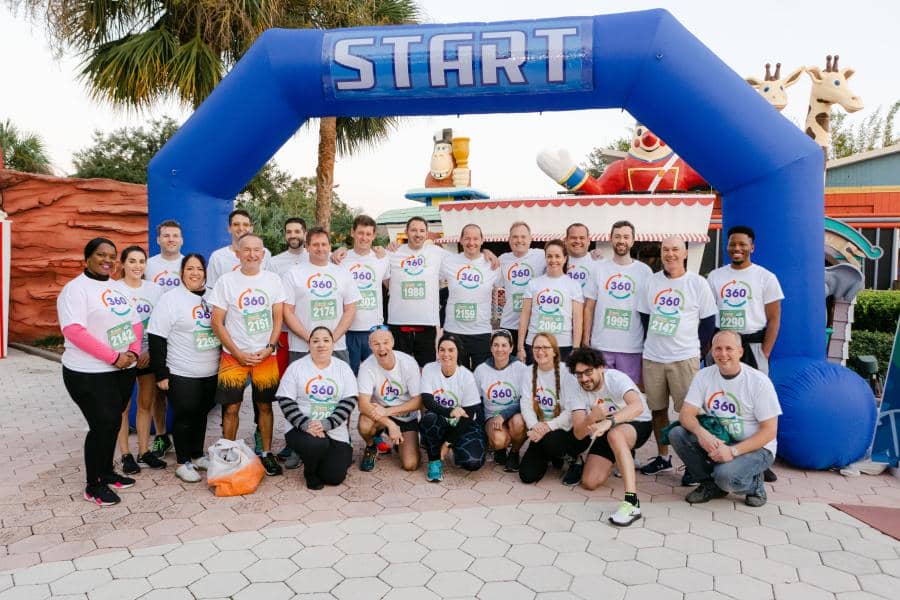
735,293
446,398
669,302
166,279
321,285
252,300
546,399
390,391
201,314
116,302
321,389
579,273
519,274
469,277
363,276
620,287
502,393
726,407
413,264
549,301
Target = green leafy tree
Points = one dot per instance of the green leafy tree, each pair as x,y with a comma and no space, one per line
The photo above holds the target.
870,133
596,163
124,154
23,151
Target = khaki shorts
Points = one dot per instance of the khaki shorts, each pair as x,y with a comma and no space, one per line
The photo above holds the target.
662,380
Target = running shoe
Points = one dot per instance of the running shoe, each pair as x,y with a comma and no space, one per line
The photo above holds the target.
769,476
187,473
657,465
257,442
116,481
688,480
383,445
129,465
625,515
284,454
151,460
500,456
757,498
293,461
706,491
101,495
435,471
201,464
368,459
512,463
271,465
572,475
161,445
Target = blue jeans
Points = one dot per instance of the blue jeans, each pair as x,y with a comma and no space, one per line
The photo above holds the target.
358,348
743,475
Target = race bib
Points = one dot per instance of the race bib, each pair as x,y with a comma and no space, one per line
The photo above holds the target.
550,323
735,320
615,318
369,300
320,411
258,322
412,290
205,339
323,310
517,302
121,336
465,311
665,326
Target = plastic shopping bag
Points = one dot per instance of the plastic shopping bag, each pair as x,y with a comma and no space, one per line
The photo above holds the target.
234,470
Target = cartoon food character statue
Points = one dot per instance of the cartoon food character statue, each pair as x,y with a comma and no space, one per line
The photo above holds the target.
449,161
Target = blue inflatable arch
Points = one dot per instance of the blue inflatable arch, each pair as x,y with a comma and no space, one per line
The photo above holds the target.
769,173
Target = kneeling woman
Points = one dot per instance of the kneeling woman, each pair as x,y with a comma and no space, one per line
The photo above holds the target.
547,416
455,413
184,356
317,395
500,381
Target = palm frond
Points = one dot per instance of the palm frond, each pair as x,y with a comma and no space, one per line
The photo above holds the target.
195,71
356,133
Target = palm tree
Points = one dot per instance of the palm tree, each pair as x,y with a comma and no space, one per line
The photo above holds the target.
139,51
22,151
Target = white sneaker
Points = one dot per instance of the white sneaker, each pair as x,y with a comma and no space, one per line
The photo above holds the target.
201,464
625,515
187,473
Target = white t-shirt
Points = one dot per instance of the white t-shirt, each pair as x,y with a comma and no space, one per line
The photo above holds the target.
318,294
675,307
471,287
612,395
516,274
224,260
617,326
740,403
248,300
414,287
368,272
580,269
142,299
184,319
741,296
394,387
548,398
164,273
459,389
283,262
551,307
318,391
500,389
106,313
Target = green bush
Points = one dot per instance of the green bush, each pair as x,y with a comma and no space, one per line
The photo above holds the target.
877,310
876,343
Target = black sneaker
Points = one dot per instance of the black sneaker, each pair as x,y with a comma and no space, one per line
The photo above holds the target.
284,454
512,463
557,463
500,456
116,481
271,465
769,476
101,495
161,445
129,465
657,465
368,459
758,498
706,491
573,473
688,480
152,461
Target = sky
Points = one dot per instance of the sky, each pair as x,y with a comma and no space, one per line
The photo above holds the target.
43,95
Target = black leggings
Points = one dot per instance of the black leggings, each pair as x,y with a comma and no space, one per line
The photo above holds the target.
555,444
324,460
102,398
466,438
191,399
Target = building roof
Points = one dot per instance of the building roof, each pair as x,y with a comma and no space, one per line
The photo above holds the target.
862,156
402,215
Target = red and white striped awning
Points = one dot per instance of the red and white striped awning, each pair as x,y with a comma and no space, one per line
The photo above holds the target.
697,238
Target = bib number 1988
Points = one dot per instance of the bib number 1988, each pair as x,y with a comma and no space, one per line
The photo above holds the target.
412,290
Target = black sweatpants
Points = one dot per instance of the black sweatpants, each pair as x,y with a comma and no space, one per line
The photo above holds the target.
466,438
102,397
324,459
191,399
418,344
555,444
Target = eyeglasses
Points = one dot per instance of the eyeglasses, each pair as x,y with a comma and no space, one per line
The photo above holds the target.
533,348
587,373
375,328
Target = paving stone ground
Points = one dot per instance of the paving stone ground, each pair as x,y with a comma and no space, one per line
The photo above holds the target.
390,534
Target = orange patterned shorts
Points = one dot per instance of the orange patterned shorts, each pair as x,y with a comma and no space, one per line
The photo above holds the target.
233,379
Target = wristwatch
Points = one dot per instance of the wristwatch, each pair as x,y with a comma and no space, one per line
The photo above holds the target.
272,347
612,420
734,452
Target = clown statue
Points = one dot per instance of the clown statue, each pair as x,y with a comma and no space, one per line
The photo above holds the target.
650,166
449,162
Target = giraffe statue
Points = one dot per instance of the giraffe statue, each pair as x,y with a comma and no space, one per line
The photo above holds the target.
828,87
773,88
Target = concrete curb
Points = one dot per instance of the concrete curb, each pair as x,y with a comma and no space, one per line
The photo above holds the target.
36,351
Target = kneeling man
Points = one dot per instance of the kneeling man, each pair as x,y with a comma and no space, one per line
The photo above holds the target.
607,406
740,403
